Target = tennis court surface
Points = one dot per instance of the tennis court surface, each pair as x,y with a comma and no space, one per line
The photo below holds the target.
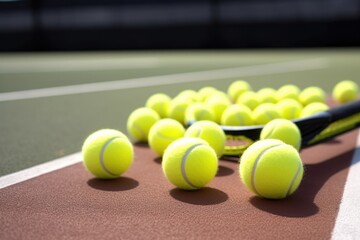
50,102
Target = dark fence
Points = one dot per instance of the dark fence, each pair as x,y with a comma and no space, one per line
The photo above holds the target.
28,25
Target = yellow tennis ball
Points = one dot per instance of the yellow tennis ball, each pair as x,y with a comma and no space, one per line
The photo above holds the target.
312,94
284,130
189,163
140,121
205,92
217,105
177,109
164,132
345,91
209,131
189,94
271,169
288,91
159,102
264,113
313,108
266,95
237,115
107,153
198,111
237,88
249,99
218,95
289,108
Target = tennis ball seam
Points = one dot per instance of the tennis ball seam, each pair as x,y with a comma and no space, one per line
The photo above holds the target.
272,129
240,118
198,132
269,115
255,166
293,180
102,152
183,164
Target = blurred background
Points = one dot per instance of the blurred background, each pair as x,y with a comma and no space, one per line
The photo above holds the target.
57,25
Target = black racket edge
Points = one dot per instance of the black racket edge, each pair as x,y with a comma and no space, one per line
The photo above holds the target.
309,126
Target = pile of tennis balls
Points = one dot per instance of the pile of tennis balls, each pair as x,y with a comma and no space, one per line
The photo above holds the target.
185,130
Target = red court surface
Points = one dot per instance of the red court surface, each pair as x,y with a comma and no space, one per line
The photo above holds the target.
71,204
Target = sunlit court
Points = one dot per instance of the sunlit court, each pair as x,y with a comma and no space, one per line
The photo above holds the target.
179,119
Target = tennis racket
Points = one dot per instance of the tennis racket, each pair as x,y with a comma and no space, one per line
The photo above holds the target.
314,129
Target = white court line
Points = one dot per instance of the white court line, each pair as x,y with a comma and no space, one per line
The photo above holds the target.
254,70
39,170
36,66
347,225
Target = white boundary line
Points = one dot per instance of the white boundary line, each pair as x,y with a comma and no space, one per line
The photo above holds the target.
39,170
347,225
36,66
254,70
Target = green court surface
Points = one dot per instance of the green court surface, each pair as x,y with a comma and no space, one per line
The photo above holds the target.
80,98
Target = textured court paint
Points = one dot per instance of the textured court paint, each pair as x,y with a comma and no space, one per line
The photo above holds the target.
39,170
254,70
348,219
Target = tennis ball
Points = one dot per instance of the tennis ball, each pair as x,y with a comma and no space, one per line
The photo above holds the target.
217,105
264,113
248,99
164,132
289,108
140,121
237,88
205,92
237,115
288,91
345,91
189,163
198,111
177,109
219,95
267,95
189,94
159,102
209,131
107,153
311,94
284,130
313,108
271,169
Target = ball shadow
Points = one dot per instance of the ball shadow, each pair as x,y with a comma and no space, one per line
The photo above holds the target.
113,185
333,141
292,206
141,144
158,160
224,171
229,158
203,196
